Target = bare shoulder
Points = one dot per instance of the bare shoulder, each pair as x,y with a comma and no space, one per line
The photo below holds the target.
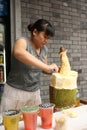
21,42
21,39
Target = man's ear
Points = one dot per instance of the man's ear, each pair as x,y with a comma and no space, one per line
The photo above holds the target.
35,32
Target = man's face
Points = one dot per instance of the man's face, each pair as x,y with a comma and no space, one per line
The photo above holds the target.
40,39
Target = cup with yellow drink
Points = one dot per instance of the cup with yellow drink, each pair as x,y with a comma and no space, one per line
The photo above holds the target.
11,119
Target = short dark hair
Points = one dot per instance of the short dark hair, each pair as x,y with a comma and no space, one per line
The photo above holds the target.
42,25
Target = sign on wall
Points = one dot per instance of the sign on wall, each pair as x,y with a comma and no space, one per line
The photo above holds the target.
3,7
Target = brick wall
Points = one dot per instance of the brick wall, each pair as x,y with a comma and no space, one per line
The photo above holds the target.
69,18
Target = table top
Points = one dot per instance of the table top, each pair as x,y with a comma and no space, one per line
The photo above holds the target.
73,123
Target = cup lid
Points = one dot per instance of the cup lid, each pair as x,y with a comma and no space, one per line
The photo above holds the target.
29,108
47,105
10,112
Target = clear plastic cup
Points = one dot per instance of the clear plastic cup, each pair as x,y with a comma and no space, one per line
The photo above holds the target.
11,119
46,114
30,117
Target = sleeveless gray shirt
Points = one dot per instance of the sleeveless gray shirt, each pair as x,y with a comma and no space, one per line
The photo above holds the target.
26,77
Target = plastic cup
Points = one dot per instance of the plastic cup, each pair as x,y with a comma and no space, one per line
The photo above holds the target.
30,117
11,119
46,114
